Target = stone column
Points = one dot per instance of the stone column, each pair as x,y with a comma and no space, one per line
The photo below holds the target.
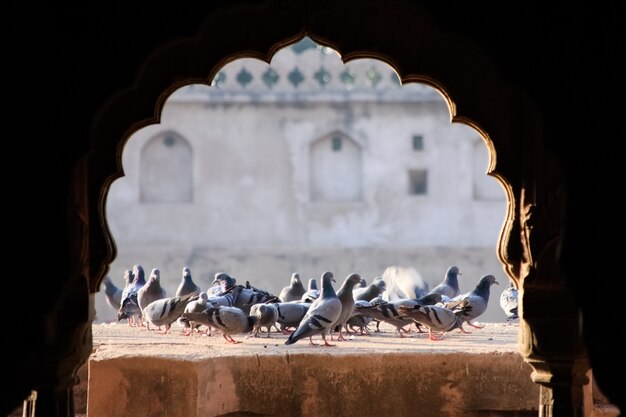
550,322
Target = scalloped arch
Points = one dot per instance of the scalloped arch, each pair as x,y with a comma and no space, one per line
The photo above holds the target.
416,49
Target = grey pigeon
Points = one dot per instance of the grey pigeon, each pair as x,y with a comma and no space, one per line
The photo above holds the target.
387,312
508,302
228,320
474,303
290,314
358,319
196,306
112,294
129,306
266,315
150,292
311,293
450,285
187,286
226,282
324,311
347,302
437,319
404,282
370,292
294,291
165,311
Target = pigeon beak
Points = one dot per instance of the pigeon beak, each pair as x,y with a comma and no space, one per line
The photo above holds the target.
458,273
496,282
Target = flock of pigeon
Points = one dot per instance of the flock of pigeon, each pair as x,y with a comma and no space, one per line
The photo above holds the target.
398,297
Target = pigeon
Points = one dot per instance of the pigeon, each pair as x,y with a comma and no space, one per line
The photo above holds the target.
250,296
403,283
294,291
436,318
359,320
370,292
266,315
324,311
228,320
508,302
165,311
290,314
196,306
226,282
312,292
150,292
347,302
387,312
473,304
129,306
187,286
450,285
112,294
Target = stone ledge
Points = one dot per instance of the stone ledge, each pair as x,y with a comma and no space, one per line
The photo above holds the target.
139,373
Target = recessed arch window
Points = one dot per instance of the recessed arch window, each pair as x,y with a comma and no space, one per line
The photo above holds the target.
166,170
336,169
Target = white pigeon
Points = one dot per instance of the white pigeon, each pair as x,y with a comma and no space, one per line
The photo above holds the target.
322,314
403,282
508,302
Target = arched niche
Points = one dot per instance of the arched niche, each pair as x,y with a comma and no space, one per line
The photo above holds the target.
336,169
166,170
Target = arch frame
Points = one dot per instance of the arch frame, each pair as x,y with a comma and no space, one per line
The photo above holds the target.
505,117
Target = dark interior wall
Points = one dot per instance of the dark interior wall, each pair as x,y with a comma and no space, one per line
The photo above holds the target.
63,64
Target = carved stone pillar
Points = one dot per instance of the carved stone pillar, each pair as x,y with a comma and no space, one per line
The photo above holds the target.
550,325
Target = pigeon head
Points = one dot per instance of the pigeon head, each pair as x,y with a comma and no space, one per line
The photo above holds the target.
295,278
452,273
155,274
328,276
139,274
353,279
225,280
483,286
186,273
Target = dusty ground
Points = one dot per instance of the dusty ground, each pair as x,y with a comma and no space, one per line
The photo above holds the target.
118,339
